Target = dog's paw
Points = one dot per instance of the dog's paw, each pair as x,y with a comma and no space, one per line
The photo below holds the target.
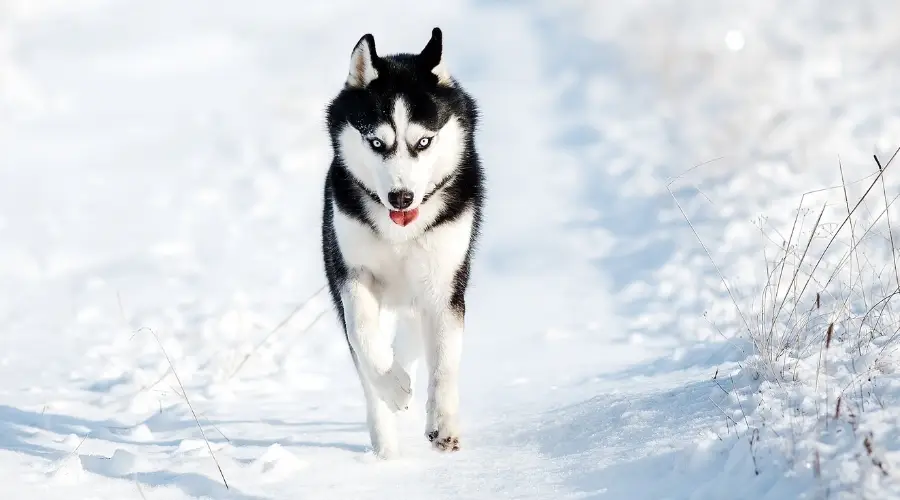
395,387
443,442
442,427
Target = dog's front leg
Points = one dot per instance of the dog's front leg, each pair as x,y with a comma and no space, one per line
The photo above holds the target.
443,351
385,384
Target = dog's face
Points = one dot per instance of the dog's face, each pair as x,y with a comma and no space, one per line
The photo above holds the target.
398,133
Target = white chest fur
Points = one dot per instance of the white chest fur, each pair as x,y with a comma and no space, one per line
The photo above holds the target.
408,265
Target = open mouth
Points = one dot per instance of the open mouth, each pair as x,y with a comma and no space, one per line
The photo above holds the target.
404,217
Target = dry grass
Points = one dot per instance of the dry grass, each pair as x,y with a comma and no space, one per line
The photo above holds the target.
187,400
813,289
823,325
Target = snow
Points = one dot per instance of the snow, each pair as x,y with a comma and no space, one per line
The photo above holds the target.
160,184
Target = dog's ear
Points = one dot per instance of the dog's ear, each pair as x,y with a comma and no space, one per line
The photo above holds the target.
362,63
432,58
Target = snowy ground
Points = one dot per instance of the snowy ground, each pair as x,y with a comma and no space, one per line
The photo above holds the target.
161,165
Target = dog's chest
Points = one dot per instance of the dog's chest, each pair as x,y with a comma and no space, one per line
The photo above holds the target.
397,265
424,265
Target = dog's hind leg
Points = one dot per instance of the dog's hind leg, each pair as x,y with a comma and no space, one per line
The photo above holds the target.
385,383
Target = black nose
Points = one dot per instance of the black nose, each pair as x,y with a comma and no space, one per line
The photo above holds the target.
400,199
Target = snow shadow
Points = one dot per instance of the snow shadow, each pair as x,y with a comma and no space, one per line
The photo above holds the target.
639,444
17,427
690,356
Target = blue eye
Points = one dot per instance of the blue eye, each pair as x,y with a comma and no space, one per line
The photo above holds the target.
376,144
423,143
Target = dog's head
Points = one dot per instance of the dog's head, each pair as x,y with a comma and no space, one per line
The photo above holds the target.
398,126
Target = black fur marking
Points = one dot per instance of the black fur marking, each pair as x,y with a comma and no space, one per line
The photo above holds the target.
347,193
461,278
430,104
368,192
431,54
335,267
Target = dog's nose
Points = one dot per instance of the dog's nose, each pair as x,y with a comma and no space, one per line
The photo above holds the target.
400,198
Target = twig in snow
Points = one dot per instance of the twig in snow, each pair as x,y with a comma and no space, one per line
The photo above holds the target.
73,452
188,401
140,490
208,421
890,229
719,271
281,325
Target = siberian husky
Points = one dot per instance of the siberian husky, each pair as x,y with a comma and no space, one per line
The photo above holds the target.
403,205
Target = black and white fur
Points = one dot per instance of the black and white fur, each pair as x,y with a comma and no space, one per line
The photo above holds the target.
403,136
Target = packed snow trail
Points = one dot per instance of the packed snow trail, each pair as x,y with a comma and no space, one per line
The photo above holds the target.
160,175
168,178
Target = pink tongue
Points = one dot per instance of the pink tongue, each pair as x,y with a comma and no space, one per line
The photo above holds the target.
404,218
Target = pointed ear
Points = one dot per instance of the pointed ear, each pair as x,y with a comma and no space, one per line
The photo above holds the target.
432,58
362,63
